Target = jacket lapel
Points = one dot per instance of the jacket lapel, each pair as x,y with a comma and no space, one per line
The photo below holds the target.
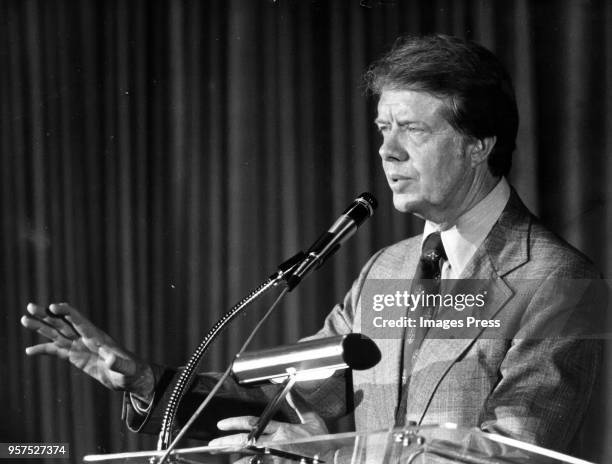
504,249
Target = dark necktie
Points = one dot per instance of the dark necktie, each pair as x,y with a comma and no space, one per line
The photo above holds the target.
426,280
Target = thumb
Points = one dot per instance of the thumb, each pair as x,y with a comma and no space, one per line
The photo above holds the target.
116,363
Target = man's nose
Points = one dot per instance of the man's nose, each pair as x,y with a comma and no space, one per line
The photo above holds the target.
391,149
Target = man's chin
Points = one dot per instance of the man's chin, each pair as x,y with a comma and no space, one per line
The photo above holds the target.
406,204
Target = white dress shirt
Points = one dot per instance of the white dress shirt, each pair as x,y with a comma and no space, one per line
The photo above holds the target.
463,238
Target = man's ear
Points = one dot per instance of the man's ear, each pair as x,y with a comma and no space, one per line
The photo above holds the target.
480,149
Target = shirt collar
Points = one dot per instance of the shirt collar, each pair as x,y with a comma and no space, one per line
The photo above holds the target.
463,239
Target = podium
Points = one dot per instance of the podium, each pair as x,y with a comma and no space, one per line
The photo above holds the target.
411,445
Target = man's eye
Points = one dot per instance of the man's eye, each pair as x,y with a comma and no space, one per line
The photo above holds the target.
412,129
382,129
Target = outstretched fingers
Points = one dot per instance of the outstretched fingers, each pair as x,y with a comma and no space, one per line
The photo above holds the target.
237,423
57,323
246,423
50,349
62,324
239,439
79,324
46,330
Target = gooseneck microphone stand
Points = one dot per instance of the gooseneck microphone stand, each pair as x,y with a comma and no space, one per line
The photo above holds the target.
290,273
188,373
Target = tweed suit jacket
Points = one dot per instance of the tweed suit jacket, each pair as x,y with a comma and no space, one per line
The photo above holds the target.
533,384
528,386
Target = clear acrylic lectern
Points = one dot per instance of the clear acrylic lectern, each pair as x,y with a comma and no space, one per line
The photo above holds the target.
411,445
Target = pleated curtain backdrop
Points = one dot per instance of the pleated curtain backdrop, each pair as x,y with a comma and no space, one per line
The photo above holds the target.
160,158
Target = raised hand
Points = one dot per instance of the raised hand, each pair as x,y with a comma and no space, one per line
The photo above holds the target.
74,338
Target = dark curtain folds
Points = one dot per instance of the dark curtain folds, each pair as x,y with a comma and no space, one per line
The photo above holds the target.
160,158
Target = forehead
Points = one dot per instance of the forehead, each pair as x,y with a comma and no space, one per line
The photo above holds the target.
409,104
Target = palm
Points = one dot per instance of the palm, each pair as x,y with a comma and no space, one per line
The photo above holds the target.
85,356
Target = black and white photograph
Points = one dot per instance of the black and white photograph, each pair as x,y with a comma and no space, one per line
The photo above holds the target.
306,231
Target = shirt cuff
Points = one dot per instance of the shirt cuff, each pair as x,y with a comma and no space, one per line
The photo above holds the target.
140,406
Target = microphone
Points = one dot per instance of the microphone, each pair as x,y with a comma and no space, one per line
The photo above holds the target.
327,244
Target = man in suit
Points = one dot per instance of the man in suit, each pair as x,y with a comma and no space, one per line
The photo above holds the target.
448,119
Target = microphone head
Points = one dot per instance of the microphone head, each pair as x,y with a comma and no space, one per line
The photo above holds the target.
370,199
362,208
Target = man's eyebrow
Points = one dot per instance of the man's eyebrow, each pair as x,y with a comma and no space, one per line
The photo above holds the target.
400,121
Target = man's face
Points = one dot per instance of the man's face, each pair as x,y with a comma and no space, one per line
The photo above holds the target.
424,158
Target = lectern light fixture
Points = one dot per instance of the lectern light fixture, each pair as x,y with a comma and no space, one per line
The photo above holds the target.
309,360
313,359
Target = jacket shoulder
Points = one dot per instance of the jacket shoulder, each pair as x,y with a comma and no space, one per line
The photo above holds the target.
552,254
520,245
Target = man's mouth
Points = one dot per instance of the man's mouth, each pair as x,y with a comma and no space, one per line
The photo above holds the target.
398,177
